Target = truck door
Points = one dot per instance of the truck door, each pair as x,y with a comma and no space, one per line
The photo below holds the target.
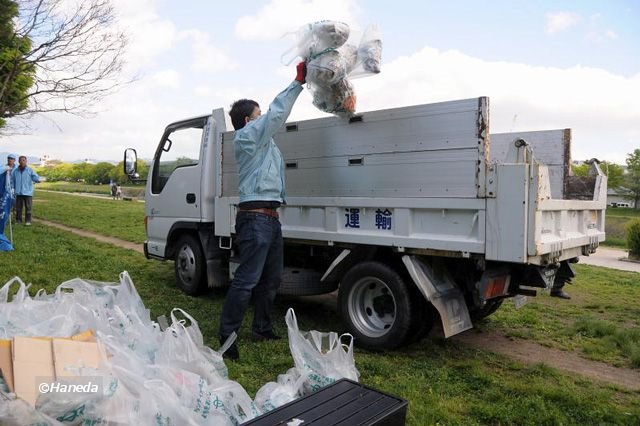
174,189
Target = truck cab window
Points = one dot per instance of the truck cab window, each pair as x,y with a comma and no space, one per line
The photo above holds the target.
180,148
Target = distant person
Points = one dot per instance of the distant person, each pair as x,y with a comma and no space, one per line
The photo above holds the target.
118,192
6,203
22,180
114,190
11,161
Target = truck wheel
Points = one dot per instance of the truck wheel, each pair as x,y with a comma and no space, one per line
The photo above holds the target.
424,318
490,307
376,306
190,266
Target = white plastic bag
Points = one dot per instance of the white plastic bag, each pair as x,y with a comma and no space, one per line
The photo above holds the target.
320,356
183,346
18,412
287,388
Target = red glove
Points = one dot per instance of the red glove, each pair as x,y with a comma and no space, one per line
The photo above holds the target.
301,70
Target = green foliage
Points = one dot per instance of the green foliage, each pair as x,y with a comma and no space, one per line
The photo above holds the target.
580,169
632,178
632,230
613,171
101,173
117,174
616,219
16,75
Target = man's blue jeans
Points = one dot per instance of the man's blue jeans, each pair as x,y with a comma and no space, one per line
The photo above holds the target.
259,239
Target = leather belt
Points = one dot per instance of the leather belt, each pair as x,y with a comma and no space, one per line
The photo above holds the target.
268,212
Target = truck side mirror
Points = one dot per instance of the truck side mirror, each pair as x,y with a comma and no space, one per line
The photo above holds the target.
130,162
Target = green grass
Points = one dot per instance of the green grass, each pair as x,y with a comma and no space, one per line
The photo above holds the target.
129,190
615,220
600,296
549,321
623,212
121,219
444,382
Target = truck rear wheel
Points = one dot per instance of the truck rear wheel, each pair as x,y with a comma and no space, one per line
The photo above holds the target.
190,266
376,305
489,308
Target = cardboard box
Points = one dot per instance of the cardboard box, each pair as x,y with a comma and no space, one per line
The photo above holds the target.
34,360
73,353
6,363
32,363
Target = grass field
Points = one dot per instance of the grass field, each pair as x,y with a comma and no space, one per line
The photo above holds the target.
121,219
444,382
129,190
593,323
601,321
615,220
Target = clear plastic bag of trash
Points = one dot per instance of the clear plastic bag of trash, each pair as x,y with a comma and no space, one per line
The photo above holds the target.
286,388
338,99
332,61
317,37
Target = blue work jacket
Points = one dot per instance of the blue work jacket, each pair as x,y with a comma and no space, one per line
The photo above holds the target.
260,163
22,180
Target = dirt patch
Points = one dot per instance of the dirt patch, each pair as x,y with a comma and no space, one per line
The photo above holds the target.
532,353
110,240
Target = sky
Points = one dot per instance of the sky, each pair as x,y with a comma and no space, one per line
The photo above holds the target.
543,64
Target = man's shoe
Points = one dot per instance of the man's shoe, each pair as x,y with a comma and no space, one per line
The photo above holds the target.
262,337
27,224
231,352
561,294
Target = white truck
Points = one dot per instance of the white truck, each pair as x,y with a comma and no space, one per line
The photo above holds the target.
414,214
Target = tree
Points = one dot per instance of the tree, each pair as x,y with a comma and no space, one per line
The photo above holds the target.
613,171
100,173
631,185
117,174
58,56
615,174
16,76
580,169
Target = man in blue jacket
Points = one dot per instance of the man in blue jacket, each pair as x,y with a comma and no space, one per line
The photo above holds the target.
22,179
258,232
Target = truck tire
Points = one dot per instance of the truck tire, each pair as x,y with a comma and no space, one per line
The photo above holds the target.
190,266
489,308
376,305
424,318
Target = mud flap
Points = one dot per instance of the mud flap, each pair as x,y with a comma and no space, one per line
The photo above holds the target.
438,287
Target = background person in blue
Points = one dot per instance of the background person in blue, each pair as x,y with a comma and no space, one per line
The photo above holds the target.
6,201
22,179
258,232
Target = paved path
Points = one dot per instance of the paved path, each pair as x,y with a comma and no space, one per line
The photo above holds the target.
610,258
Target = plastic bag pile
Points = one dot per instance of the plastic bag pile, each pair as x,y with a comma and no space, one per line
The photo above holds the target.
153,373
332,61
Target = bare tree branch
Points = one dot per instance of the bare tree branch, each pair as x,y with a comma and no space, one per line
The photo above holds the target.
76,54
